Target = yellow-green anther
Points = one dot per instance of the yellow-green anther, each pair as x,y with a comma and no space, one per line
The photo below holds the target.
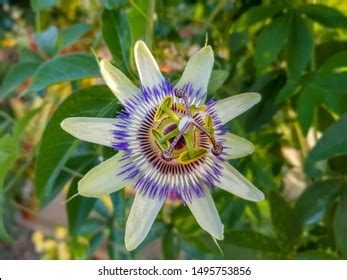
184,158
165,108
173,116
195,109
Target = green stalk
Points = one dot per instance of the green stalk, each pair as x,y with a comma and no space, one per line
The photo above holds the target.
150,23
313,68
38,21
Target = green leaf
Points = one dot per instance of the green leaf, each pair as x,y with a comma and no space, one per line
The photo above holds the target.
308,100
334,102
102,210
156,232
286,92
333,83
300,46
39,5
233,210
237,42
340,223
170,245
271,40
323,14
333,143
261,114
10,144
138,19
118,203
91,226
315,255
334,62
78,209
16,76
57,146
9,150
113,4
4,236
326,49
71,34
255,15
47,40
316,200
117,35
75,164
201,243
218,78
94,244
27,55
184,222
285,222
251,239
64,68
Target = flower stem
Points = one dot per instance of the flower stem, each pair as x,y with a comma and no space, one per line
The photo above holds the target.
38,21
313,68
150,23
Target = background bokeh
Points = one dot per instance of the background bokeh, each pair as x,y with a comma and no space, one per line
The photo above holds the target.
294,53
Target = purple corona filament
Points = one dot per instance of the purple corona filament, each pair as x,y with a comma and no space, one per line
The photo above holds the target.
155,166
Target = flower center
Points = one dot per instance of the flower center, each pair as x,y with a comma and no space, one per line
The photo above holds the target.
177,131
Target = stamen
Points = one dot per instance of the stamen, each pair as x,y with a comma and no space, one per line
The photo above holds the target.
165,108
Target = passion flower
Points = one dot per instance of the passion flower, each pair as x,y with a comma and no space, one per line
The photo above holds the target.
171,143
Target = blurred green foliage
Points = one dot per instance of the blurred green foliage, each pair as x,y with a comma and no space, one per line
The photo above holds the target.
294,53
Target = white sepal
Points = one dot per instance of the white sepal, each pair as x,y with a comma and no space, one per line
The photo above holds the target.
234,182
104,179
147,67
119,84
233,106
141,218
206,214
93,130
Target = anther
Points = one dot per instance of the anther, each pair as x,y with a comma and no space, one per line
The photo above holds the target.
217,149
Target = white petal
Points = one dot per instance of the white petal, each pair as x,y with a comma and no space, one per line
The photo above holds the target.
206,214
119,84
103,179
198,71
234,182
147,66
94,130
141,218
236,146
231,107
